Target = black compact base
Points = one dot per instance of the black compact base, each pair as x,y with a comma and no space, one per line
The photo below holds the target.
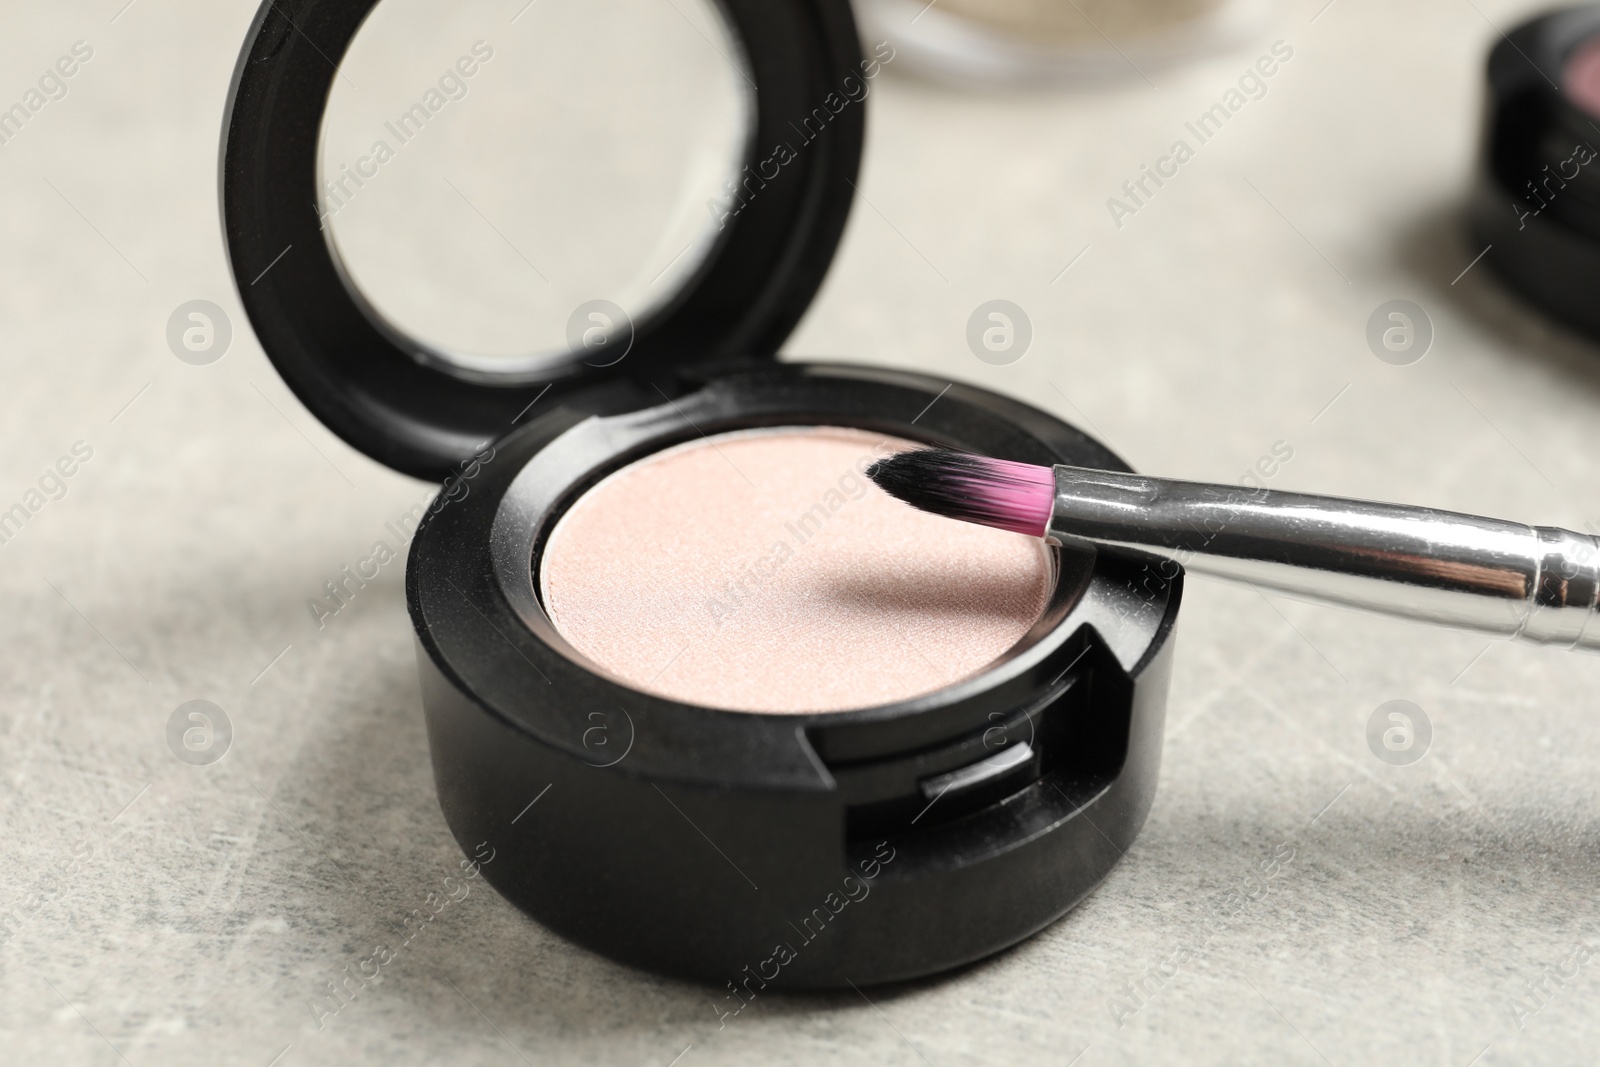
1536,201
1548,262
773,851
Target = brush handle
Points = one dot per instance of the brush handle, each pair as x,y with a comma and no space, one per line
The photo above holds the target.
1532,583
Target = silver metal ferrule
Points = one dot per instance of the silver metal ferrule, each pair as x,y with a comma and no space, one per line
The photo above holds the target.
1534,583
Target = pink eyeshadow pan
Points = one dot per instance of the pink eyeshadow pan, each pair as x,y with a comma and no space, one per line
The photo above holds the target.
760,571
1581,77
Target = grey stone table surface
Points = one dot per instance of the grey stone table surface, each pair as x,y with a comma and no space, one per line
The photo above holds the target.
155,912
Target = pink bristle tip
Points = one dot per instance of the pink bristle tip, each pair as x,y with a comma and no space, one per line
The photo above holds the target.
961,485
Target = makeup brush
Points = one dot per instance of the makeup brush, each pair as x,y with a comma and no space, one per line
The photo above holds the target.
1534,583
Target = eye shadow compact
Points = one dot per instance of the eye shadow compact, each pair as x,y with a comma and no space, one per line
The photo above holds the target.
1536,202
710,702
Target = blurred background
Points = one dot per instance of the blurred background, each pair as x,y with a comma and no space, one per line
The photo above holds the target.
165,901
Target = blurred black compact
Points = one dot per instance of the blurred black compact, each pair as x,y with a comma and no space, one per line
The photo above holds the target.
431,261
1536,203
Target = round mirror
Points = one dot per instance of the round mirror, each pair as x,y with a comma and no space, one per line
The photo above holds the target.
508,192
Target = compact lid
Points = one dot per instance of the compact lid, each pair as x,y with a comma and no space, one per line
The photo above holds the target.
764,240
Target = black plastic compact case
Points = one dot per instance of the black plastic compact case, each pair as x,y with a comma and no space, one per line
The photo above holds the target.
1536,201
743,849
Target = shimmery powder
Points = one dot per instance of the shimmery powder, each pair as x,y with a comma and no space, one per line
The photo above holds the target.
1081,21
1580,77
761,571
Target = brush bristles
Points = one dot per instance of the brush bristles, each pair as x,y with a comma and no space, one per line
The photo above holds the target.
972,488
